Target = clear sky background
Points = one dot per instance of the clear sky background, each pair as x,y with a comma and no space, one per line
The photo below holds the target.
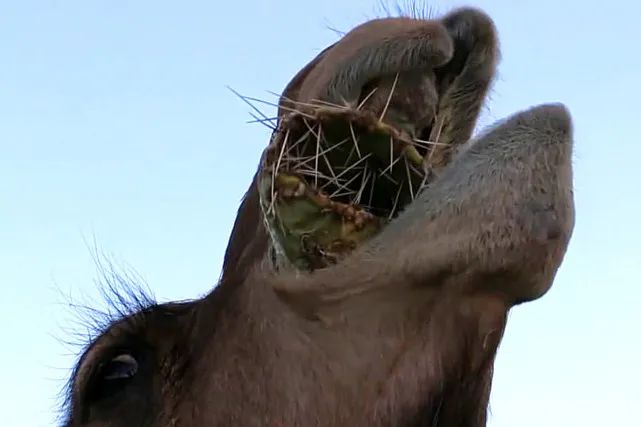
115,123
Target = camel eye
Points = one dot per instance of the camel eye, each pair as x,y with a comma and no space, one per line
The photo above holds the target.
112,376
122,367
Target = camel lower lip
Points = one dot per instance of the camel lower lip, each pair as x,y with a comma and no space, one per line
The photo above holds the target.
332,178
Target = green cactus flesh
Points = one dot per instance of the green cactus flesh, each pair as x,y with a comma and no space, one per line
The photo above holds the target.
330,179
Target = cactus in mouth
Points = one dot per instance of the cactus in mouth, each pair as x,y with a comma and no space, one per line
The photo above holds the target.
332,177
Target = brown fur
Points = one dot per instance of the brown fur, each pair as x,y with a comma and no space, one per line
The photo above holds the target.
404,331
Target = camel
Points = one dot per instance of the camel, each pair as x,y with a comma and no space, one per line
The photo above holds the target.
403,328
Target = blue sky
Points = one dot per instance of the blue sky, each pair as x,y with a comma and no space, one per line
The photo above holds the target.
115,123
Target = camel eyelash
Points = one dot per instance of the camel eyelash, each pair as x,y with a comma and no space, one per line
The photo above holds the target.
125,300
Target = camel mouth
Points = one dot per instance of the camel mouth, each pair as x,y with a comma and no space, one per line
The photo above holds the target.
332,177
364,127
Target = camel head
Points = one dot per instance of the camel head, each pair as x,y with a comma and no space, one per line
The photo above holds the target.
375,255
